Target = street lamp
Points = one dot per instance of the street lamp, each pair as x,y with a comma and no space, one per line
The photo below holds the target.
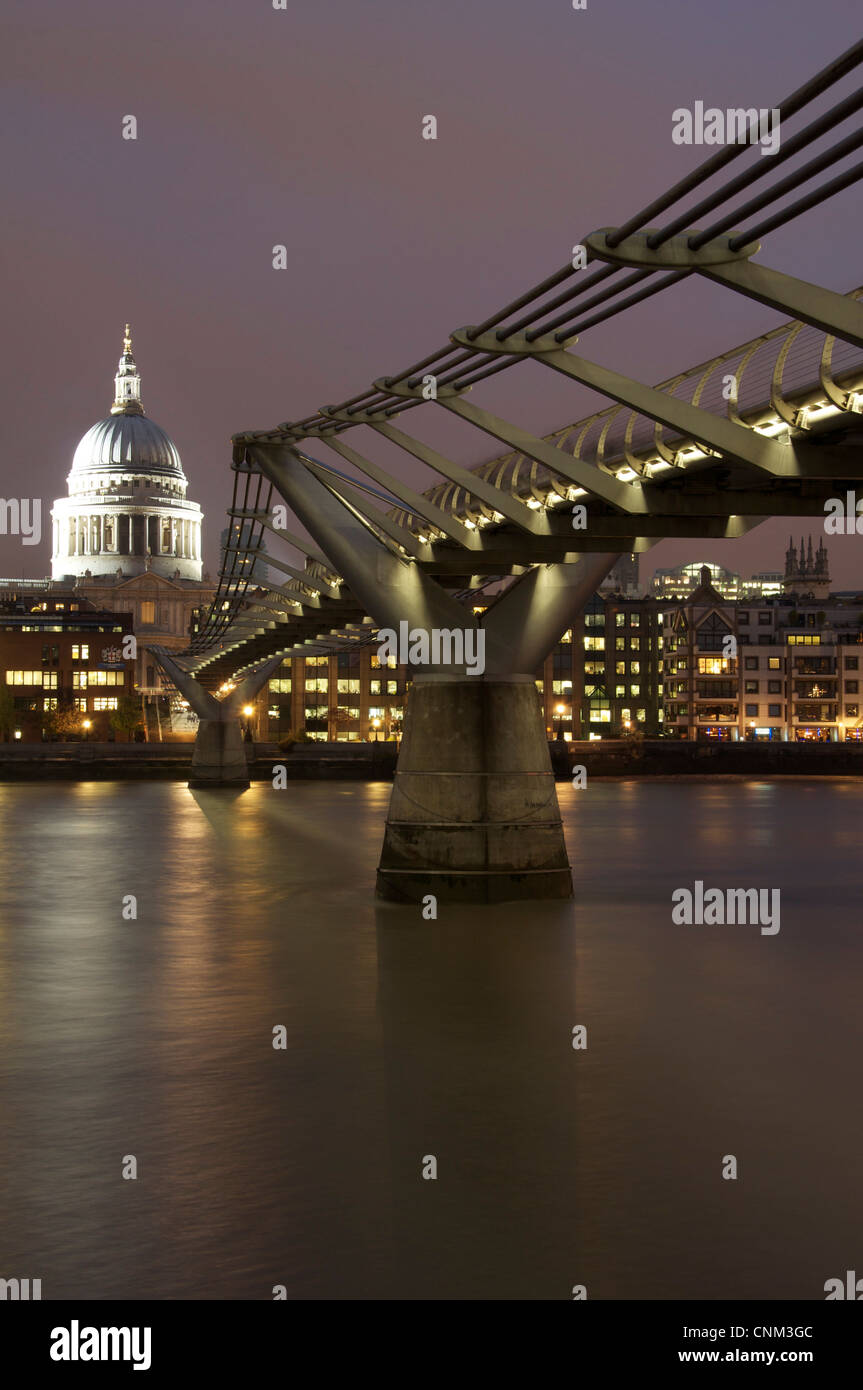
87,726
376,724
560,711
248,711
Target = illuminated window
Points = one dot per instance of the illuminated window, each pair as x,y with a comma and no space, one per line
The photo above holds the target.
80,653
80,703
281,685
712,665
104,702
347,686
49,703
47,679
148,612
594,644
635,689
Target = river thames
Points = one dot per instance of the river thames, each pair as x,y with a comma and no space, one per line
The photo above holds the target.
302,1167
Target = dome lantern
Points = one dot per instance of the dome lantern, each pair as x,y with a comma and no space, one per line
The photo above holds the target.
127,382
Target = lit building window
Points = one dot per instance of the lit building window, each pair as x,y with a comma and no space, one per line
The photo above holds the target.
712,665
47,679
80,652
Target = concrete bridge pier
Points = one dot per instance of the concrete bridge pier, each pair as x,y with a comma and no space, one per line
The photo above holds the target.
219,756
474,815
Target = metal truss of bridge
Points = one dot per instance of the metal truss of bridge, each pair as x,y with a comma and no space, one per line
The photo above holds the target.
772,427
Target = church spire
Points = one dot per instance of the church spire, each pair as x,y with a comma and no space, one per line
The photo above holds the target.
127,382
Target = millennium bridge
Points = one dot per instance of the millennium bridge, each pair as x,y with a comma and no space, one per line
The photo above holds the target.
512,549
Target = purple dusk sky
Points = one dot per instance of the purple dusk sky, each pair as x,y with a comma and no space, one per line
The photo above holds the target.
302,126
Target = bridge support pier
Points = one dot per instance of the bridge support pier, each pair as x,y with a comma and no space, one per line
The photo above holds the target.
219,756
473,815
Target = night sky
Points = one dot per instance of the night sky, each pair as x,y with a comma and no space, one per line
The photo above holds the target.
259,126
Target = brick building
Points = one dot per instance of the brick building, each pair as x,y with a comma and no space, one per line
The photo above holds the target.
59,653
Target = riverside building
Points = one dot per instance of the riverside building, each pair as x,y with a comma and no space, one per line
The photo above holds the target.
602,679
779,669
62,672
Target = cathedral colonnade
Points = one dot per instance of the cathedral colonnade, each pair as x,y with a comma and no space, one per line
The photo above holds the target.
128,533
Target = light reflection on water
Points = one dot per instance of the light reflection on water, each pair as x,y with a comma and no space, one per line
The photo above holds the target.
406,1038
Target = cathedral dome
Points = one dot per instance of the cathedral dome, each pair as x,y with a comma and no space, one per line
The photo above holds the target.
128,443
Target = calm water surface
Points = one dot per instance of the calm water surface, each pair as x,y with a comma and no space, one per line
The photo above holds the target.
408,1038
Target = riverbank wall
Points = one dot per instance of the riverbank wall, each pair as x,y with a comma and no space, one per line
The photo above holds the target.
376,762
